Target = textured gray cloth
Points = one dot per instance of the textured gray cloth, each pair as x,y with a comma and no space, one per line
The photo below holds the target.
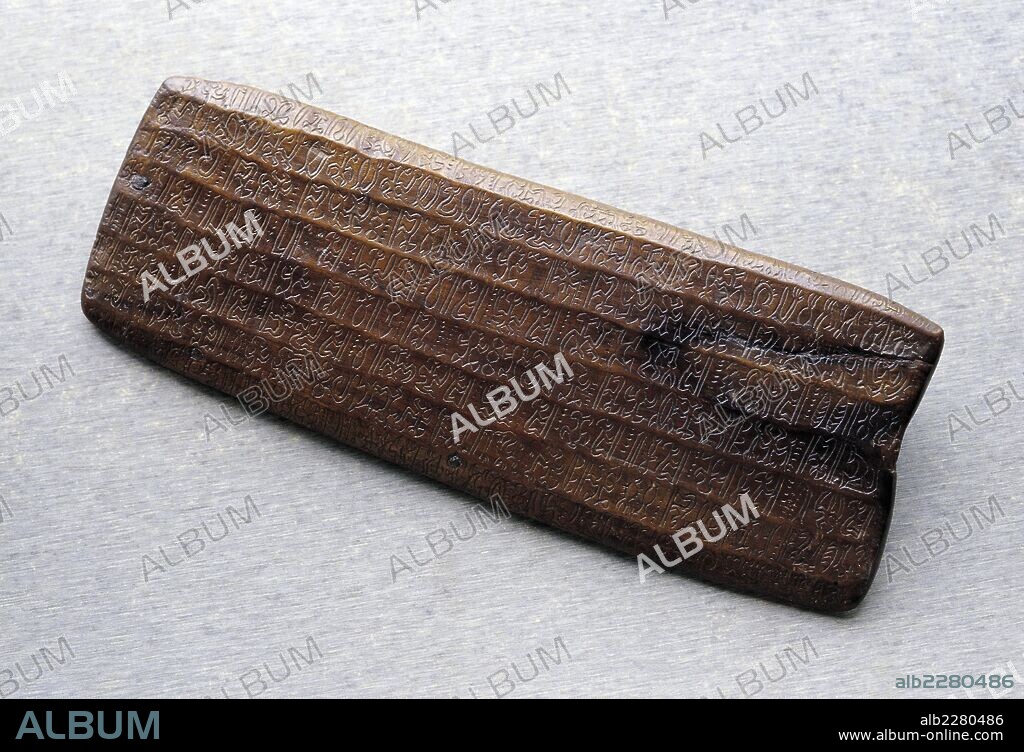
106,458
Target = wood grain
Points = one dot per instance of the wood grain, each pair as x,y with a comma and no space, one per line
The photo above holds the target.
418,283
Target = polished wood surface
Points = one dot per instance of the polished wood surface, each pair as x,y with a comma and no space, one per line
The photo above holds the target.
416,284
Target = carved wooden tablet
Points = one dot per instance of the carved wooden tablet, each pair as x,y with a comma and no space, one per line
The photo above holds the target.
701,408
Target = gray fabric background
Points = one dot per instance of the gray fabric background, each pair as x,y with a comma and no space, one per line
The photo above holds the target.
113,462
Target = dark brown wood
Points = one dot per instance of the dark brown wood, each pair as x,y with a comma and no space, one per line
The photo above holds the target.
408,285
